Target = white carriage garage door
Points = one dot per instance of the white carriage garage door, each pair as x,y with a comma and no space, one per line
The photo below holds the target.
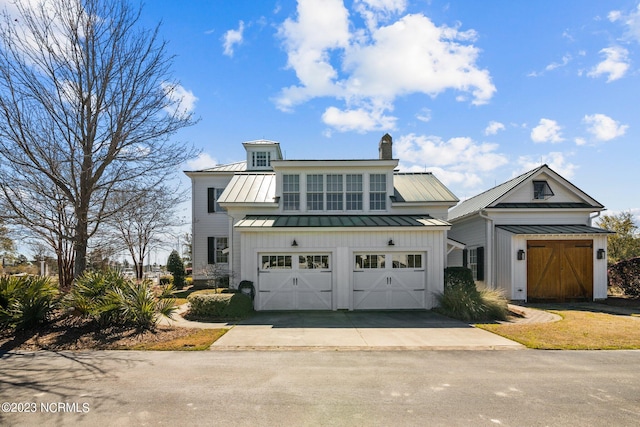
387,281
295,282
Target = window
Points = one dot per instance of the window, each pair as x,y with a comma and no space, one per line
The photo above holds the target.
369,262
213,194
291,192
334,193
407,261
377,192
354,192
474,260
541,190
315,192
216,253
261,159
313,262
281,262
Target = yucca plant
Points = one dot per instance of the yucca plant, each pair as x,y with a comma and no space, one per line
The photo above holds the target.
26,301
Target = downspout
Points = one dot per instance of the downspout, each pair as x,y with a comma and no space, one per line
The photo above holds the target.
591,218
489,252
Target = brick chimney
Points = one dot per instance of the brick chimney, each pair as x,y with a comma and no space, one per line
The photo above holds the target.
384,148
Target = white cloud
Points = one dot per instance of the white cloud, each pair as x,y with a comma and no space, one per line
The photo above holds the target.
358,66
455,161
580,141
603,127
183,101
493,128
615,64
547,131
555,160
630,21
424,115
203,161
232,38
358,120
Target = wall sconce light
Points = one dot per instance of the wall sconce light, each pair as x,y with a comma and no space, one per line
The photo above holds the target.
294,243
520,255
601,253
390,243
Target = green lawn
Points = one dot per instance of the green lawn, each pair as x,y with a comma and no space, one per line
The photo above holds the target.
578,330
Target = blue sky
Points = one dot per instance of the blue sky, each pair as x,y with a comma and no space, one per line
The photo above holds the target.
476,92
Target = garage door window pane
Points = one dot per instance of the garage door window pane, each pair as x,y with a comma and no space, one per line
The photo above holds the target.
407,261
313,262
369,262
276,262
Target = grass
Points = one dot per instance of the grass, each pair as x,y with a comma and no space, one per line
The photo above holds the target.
578,330
200,339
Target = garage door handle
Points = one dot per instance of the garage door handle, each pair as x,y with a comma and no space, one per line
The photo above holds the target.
264,291
419,289
329,290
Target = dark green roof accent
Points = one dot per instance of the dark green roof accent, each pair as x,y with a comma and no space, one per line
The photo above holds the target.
552,229
271,221
534,205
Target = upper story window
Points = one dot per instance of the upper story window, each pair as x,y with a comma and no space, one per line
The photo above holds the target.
354,192
260,159
541,190
315,192
213,194
377,192
334,192
291,192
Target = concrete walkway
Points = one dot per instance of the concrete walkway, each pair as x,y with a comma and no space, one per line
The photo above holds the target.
359,330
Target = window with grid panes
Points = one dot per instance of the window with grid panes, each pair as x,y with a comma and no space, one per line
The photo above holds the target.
291,192
334,192
377,192
315,192
354,192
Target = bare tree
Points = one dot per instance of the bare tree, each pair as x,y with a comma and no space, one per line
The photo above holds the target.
87,105
141,225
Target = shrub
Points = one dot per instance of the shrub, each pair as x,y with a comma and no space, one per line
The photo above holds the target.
462,300
625,275
166,280
175,265
220,306
109,298
26,301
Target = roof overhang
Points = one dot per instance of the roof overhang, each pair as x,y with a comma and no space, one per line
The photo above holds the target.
571,229
413,222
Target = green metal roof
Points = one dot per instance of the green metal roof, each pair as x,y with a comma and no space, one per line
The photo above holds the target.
357,221
552,229
538,205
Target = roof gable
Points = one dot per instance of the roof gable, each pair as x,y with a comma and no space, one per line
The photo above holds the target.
518,193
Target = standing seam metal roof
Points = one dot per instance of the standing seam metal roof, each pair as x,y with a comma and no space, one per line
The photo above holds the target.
269,221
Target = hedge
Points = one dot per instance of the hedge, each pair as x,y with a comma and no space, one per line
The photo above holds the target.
626,276
220,306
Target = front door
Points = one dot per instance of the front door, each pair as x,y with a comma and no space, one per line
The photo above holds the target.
559,270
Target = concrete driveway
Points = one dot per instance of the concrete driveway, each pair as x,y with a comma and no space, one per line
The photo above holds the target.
348,330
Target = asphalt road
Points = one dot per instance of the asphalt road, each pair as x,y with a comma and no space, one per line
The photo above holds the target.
314,388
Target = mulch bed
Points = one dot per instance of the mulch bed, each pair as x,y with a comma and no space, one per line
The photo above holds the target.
69,332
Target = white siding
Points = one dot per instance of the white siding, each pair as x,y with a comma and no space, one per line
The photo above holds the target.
524,192
505,260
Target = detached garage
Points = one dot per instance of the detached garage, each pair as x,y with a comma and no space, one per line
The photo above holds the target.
532,237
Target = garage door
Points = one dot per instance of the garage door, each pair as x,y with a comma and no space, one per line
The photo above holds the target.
388,281
559,270
295,282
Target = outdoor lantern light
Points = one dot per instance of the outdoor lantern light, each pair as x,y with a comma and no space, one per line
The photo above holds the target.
391,242
294,243
520,255
600,253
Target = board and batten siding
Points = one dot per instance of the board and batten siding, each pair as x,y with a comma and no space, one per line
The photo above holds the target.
342,244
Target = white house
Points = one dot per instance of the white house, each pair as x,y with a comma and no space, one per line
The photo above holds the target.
532,237
323,234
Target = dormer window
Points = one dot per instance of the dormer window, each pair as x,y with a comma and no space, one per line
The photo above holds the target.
261,159
541,190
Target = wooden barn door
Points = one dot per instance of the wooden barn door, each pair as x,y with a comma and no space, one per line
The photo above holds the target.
559,270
